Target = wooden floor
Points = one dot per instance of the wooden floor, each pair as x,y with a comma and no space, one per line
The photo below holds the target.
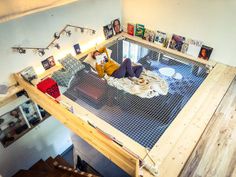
215,153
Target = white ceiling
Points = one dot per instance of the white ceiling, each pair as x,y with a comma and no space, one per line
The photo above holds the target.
11,9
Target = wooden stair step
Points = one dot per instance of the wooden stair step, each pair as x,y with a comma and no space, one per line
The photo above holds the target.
62,161
50,161
63,173
41,166
27,173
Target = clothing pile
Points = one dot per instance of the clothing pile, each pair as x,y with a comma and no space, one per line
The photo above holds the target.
149,85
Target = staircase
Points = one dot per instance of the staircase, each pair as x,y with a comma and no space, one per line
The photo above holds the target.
56,167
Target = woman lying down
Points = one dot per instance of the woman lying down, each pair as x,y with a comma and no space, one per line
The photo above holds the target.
132,79
105,65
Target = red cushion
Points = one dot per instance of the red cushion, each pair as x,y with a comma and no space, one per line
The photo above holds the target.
49,86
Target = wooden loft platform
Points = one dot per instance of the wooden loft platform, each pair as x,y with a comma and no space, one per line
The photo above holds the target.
215,152
177,143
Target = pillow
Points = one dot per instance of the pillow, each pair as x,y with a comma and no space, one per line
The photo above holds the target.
92,62
63,78
71,64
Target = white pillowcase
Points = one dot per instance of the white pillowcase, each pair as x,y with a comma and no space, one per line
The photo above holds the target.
91,61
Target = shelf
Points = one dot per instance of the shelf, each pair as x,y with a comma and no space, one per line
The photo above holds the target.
11,91
18,136
9,97
13,104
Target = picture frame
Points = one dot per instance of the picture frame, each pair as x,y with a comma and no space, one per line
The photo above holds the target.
48,63
77,49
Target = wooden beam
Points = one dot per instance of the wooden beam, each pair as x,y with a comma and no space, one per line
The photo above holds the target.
111,150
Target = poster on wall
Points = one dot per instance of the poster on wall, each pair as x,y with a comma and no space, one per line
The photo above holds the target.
205,52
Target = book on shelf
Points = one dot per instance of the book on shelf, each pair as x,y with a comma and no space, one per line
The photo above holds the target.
149,35
130,29
28,74
77,49
191,47
160,38
48,62
117,29
139,30
205,52
108,31
176,42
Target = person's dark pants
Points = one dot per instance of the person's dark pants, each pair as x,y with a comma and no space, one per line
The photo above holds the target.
127,70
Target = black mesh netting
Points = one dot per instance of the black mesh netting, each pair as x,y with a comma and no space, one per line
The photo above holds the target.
142,119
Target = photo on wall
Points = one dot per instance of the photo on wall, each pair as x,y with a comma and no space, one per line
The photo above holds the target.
205,52
77,49
176,42
108,31
116,26
149,35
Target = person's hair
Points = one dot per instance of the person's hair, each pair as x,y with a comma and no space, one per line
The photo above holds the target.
93,54
115,21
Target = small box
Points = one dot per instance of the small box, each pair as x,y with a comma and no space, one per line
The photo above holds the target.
50,87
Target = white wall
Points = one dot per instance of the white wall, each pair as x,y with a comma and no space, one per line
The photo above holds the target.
213,21
37,30
49,138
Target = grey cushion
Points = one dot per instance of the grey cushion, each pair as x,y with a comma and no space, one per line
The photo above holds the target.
71,64
63,78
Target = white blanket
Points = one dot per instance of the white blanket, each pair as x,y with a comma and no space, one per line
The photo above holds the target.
152,86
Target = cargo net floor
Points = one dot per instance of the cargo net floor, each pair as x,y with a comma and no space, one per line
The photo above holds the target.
142,119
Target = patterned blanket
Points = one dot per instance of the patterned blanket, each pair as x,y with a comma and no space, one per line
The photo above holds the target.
149,85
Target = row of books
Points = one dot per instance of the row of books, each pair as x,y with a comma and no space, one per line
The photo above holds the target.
194,48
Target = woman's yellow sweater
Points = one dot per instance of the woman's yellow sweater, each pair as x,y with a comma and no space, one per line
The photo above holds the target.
109,67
